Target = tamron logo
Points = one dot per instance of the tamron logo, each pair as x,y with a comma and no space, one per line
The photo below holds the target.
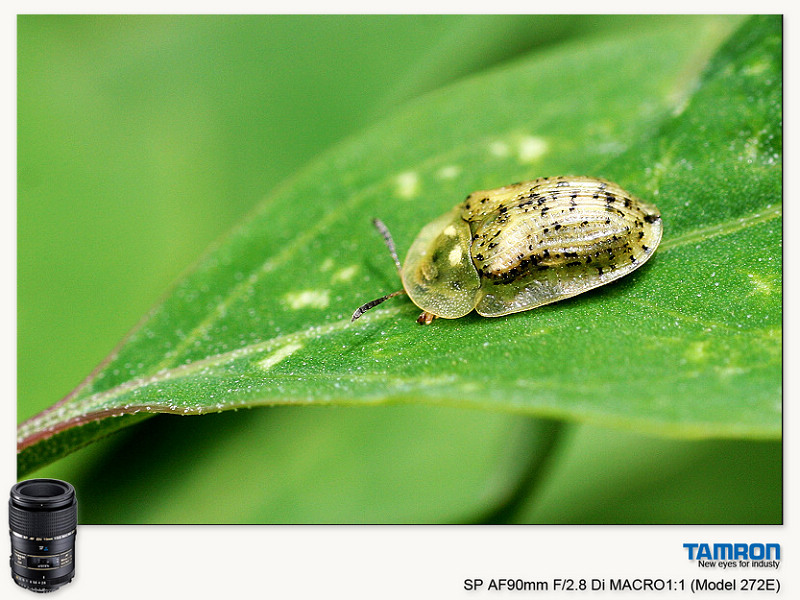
703,551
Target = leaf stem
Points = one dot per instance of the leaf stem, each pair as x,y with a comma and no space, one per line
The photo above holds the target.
542,447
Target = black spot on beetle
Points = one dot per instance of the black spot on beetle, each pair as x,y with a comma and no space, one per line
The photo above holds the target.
651,218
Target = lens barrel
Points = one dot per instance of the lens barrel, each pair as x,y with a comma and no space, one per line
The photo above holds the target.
43,519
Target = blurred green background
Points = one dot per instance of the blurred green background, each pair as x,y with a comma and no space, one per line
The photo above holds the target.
141,140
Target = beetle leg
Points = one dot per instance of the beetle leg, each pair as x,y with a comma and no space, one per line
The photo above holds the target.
426,318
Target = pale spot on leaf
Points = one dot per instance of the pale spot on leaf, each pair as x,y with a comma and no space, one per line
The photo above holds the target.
499,149
407,184
308,299
345,274
277,356
449,172
761,285
531,148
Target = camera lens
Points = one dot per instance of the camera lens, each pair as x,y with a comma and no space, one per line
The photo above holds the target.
42,518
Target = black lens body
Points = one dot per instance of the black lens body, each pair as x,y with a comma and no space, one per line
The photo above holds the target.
42,518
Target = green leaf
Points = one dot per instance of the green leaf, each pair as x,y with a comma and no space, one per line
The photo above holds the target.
689,345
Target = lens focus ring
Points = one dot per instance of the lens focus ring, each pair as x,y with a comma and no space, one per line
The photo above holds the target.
44,524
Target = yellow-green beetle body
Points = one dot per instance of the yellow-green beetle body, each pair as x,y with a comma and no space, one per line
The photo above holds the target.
521,246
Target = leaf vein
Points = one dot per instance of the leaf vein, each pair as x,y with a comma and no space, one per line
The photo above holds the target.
724,228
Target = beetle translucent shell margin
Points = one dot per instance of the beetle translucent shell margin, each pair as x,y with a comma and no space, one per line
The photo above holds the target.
524,245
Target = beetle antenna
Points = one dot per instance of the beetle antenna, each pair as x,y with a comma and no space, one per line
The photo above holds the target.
387,237
373,303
